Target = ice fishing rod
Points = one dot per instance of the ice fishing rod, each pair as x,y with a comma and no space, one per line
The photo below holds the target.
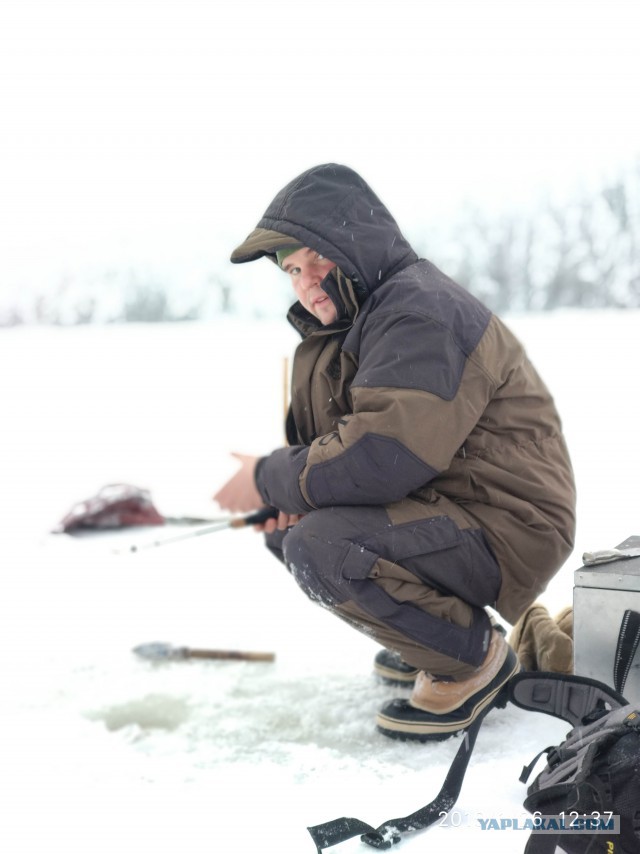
256,518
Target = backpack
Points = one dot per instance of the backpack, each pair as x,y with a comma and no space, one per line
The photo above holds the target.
594,772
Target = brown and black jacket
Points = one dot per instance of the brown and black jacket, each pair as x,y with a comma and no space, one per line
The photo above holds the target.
417,393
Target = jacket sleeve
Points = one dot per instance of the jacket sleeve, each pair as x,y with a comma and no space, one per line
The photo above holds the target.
416,397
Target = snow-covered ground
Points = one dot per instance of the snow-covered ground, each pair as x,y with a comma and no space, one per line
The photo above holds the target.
104,752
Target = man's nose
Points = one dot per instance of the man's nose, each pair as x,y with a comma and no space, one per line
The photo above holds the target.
309,279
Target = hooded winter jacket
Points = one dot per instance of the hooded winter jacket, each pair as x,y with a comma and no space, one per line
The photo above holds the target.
417,391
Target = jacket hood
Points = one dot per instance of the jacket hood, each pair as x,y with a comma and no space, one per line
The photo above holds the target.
330,209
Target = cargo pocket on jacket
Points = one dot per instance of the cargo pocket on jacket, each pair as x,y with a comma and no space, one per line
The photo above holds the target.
443,556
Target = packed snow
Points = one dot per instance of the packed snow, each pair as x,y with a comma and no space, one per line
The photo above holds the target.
103,751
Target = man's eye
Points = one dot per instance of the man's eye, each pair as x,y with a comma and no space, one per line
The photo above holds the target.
319,257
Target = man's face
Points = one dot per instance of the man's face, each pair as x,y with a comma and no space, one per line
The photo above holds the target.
307,269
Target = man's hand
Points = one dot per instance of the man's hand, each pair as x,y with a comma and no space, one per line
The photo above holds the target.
284,521
239,494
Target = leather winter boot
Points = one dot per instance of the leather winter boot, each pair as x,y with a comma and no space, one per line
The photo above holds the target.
390,667
438,708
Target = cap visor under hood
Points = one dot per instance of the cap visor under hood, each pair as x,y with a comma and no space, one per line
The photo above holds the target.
260,242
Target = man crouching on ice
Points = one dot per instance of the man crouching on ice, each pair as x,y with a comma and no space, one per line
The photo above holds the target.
426,476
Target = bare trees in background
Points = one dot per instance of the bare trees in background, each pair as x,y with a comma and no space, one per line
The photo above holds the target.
584,254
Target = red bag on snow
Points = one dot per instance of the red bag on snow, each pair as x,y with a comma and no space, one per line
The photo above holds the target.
117,505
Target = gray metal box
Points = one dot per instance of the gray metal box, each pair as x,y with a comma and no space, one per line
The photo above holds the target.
606,621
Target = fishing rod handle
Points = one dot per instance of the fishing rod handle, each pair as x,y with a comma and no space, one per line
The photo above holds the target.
256,518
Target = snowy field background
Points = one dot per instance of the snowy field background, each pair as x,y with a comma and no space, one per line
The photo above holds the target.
103,752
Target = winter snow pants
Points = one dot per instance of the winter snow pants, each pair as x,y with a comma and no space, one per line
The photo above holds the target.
412,577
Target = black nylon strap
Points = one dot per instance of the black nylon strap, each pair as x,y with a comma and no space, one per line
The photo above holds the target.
339,830
526,771
390,832
626,648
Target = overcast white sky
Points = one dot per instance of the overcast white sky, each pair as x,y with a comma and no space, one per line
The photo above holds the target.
159,127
